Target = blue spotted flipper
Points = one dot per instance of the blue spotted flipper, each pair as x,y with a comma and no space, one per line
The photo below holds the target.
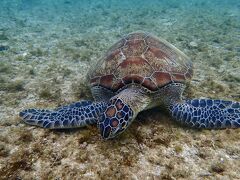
78,114
207,113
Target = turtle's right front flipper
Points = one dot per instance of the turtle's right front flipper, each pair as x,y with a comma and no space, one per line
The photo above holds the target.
207,113
78,114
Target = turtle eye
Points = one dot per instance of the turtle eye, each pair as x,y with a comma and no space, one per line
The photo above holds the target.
112,101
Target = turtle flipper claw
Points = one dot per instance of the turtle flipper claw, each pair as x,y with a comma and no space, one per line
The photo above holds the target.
78,114
207,113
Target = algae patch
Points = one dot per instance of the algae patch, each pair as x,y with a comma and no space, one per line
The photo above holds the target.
12,86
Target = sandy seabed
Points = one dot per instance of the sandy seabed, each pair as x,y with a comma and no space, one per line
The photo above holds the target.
46,50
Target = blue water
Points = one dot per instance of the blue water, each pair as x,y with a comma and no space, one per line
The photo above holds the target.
211,28
167,18
73,26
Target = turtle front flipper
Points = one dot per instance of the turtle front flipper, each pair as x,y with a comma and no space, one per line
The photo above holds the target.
75,115
207,113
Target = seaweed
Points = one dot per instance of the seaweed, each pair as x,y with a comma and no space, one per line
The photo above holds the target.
4,152
178,148
38,52
81,90
20,160
218,167
3,37
13,86
5,68
49,91
25,137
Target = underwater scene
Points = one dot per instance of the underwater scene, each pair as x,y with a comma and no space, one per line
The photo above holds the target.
48,48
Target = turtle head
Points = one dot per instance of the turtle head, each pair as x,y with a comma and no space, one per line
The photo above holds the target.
122,110
116,118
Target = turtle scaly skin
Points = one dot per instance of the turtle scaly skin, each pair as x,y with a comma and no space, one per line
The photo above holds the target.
137,73
74,115
207,113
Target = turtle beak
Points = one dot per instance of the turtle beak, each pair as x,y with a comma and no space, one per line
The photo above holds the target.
110,132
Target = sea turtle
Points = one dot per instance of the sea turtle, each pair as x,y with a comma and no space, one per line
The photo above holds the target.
139,72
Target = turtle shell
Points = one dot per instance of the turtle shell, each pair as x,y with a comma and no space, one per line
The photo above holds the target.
140,58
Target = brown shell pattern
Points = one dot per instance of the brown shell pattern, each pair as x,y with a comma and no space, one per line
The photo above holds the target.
142,59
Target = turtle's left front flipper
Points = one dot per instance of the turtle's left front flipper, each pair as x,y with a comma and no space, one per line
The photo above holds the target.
78,114
207,113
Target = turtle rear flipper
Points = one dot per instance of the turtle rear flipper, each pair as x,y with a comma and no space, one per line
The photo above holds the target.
75,115
207,113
